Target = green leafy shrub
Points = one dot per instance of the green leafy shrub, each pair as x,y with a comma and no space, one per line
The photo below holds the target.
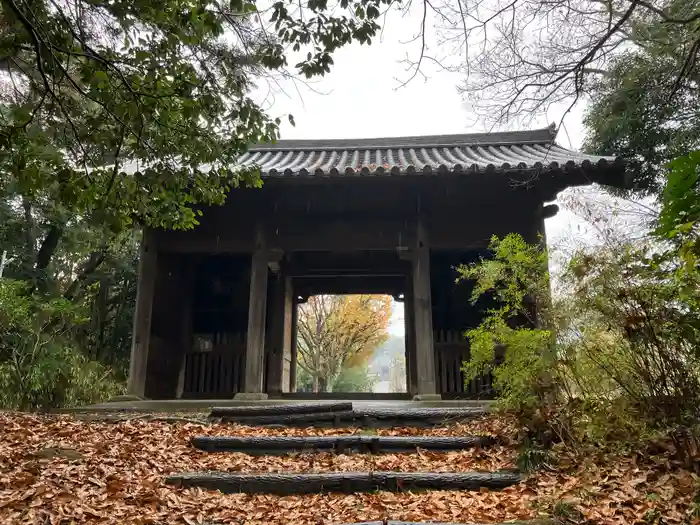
532,456
616,355
517,278
40,368
633,330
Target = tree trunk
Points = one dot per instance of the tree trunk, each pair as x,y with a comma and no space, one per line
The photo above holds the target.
89,267
101,315
322,385
48,246
29,238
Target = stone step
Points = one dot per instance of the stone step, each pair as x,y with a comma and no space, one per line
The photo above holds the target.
342,482
267,410
543,521
366,417
280,445
540,521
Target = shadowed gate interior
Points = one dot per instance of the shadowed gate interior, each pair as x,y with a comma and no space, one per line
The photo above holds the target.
214,364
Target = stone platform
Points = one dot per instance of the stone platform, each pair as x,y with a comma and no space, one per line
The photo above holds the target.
205,405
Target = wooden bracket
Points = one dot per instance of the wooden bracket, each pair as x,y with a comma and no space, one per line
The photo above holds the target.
549,211
274,260
404,253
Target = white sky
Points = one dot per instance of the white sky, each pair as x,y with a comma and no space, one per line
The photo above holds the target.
361,98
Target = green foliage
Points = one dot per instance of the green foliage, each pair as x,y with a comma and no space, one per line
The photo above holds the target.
632,344
642,108
160,88
517,278
40,368
532,457
350,379
618,353
355,379
304,381
80,263
120,114
679,218
634,327
563,510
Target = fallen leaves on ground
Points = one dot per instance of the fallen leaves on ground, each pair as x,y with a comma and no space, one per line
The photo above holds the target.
62,470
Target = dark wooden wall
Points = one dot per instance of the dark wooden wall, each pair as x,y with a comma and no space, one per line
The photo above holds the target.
169,324
361,214
453,315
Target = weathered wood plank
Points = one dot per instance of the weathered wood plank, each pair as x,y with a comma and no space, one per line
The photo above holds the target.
306,408
279,445
335,418
545,521
343,482
541,521
366,417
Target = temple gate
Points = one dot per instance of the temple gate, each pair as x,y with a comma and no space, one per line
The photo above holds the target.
216,306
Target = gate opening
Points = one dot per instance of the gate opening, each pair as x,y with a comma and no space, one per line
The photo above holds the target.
350,344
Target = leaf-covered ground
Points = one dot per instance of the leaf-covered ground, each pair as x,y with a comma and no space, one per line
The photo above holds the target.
64,470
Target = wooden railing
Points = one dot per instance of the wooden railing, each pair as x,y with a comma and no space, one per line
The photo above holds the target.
451,350
215,367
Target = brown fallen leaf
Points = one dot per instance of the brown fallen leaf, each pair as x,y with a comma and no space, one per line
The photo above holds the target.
119,478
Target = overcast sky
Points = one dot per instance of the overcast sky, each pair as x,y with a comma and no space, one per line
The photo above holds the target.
362,98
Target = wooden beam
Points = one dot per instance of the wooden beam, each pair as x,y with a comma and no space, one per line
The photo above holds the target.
453,225
142,316
288,234
257,305
338,285
423,315
338,235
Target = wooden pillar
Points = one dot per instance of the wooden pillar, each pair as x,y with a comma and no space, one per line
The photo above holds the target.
410,341
138,364
288,338
257,306
186,345
533,225
423,317
540,238
293,346
279,347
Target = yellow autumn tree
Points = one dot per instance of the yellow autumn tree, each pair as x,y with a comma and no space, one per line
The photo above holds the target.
336,332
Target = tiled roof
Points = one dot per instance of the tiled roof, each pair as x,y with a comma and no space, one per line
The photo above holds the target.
427,154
